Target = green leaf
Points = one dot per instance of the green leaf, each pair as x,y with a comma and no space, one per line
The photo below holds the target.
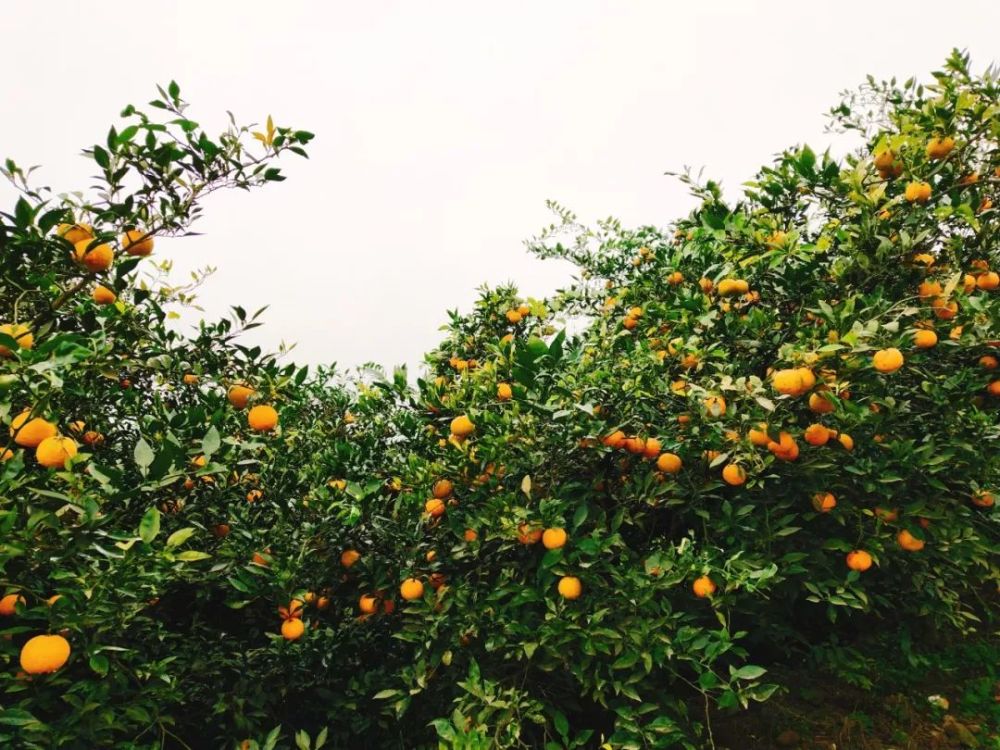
749,672
210,443
143,455
149,526
16,717
192,555
99,663
180,536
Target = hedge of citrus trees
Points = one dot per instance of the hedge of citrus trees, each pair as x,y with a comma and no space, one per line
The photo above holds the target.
594,520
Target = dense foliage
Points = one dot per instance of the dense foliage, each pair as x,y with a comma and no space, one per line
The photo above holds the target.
747,439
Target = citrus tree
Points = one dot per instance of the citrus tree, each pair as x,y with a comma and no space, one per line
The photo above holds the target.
756,436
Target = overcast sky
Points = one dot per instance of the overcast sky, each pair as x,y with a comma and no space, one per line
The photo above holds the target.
442,128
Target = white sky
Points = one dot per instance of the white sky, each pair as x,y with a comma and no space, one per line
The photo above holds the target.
442,127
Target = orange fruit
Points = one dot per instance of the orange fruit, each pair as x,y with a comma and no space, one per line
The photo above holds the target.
95,259
703,587
411,589
820,403
470,535
909,542
20,333
137,243
929,289
262,559
734,474
9,603
434,507
816,434
785,448
989,362
652,449
513,317
924,338
715,406
74,233
292,629
994,388
570,587
887,164
44,654
706,285
239,395
824,502
846,441
368,604
322,603
254,495
943,309
635,445
221,530
528,534
553,538
939,147
887,515
629,322
669,463
614,440
54,452
918,192
462,427
349,556
190,379
102,295
525,310
504,392
262,418
27,432
730,287
442,488
788,382
988,281
983,499
759,436
859,560
888,360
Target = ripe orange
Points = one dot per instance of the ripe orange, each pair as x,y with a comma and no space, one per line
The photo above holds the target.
703,587
888,360
262,418
434,507
983,499
137,243
570,587
470,535
349,556
442,488
887,515
262,559
730,287
9,603
525,310
528,534
788,382
706,285
943,309
95,259
816,434
924,338
554,538
669,463
239,395
514,317
820,403
939,147
988,281
734,474
254,495
675,278
28,433
859,560
462,427
20,333
292,629
504,392
994,388
44,654
785,448
190,379
635,445
918,192
411,589
909,542
759,436
614,440
824,502
368,604
715,406
887,164
929,289
102,295
54,452
652,449
989,362
74,233
846,440
968,283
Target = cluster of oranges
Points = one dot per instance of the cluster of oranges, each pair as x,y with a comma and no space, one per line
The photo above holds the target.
41,654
